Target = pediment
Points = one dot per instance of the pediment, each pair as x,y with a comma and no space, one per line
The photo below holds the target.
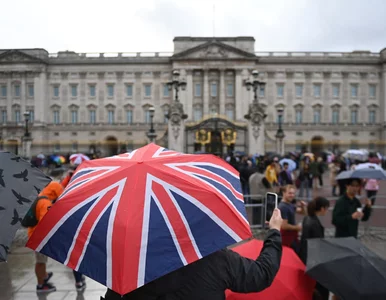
214,50
16,56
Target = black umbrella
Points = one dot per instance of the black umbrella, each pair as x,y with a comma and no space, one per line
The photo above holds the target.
20,183
347,268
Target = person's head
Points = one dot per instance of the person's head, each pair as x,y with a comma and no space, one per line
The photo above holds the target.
52,191
289,192
285,166
318,207
352,187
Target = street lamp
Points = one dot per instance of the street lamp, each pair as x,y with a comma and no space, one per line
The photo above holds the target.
280,133
176,83
26,118
255,84
151,133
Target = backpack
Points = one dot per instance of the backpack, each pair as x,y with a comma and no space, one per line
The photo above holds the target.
30,217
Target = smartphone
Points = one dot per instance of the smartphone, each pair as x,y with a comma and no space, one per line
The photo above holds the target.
270,205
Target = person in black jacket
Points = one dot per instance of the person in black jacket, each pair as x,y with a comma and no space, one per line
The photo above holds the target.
209,277
312,228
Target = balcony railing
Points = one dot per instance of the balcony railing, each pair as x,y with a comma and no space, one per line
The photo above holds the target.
354,54
102,55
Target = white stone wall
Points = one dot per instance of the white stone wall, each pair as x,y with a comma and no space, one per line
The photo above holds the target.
220,66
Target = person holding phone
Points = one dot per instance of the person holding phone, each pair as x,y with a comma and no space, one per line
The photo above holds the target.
211,276
289,229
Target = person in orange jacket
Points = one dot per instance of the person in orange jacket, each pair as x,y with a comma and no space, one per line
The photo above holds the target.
66,180
46,198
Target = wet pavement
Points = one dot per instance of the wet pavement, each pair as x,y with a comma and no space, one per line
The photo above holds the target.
18,281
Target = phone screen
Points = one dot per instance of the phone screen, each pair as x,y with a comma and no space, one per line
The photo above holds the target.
270,205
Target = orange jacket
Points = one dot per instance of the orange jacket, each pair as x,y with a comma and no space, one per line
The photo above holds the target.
52,191
66,181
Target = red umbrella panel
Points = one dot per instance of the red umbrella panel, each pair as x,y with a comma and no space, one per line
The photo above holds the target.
290,283
130,219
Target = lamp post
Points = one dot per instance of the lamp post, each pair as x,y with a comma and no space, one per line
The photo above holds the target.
280,133
26,119
176,83
176,115
255,117
255,84
151,133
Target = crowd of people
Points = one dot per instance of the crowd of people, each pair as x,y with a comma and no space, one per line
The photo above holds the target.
267,174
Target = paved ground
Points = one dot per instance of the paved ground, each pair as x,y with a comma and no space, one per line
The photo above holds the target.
18,282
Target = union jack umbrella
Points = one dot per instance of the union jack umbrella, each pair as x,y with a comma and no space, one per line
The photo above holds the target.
77,159
129,219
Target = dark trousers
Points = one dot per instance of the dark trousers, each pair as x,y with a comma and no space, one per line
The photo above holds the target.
77,276
321,179
371,195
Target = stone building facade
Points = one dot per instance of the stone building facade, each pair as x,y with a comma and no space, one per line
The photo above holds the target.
80,102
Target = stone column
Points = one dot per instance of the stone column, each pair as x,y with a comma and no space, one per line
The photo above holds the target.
23,95
382,100
239,96
176,127
222,92
256,129
26,147
206,93
189,94
9,97
280,144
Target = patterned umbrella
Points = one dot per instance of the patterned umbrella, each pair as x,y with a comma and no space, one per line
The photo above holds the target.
77,159
129,219
20,183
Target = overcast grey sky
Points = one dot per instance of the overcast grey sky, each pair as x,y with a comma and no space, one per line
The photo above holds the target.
150,25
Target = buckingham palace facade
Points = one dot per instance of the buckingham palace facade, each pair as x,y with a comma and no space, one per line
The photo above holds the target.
88,102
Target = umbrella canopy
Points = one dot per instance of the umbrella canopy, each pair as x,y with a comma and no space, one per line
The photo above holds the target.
20,184
347,268
357,154
368,166
129,219
77,159
290,282
58,159
291,164
365,173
